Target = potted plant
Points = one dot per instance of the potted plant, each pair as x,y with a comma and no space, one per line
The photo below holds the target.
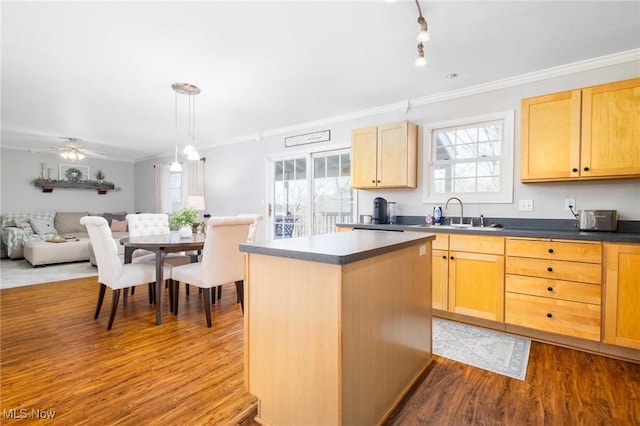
100,176
184,220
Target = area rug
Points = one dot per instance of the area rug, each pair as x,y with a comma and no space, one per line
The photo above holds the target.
16,273
490,350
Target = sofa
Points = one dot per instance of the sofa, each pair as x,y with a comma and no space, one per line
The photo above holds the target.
49,237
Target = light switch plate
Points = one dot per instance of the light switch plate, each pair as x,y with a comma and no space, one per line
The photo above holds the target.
525,205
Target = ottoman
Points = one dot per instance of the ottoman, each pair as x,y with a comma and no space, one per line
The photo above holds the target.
44,253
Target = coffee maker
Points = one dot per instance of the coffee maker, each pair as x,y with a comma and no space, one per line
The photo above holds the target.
379,215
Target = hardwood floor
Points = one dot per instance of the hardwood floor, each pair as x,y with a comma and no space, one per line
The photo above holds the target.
55,357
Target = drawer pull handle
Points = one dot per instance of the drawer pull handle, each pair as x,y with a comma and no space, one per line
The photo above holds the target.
550,269
550,250
550,288
549,315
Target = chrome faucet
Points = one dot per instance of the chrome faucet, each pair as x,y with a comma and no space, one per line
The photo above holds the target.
461,207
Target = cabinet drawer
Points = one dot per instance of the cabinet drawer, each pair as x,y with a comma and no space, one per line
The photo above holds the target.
441,242
555,289
555,269
559,250
476,244
555,316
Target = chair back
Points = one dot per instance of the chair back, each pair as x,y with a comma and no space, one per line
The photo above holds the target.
148,224
222,262
254,228
104,247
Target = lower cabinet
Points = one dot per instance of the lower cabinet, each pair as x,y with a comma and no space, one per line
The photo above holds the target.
554,286
440,272
476,276
622,295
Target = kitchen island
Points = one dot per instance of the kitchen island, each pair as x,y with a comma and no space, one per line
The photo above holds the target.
337,326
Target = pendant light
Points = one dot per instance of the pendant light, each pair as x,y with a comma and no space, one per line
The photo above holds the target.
191,91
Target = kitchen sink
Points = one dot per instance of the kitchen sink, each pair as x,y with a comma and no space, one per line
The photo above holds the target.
457,226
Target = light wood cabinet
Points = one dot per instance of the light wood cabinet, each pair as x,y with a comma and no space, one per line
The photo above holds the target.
554,286
476,276
385,156
622,295
589,133
440,272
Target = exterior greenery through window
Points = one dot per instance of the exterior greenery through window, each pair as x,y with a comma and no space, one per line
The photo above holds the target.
470,158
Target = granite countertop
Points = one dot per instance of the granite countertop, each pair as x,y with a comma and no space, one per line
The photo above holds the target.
340,248
508,231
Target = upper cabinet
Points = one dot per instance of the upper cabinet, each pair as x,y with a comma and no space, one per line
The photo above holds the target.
584,134
385,156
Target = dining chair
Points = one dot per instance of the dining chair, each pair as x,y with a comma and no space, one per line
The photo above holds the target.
222,262
141,224
111,272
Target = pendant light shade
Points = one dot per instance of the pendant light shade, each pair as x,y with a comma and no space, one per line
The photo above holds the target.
175,166
190,91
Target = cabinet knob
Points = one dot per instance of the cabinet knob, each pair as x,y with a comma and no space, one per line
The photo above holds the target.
550,250
574,170
550,269
373,181
452,257
549,288
586,169
379,181
444,257
549,315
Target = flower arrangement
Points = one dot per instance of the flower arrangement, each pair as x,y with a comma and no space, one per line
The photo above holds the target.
185,217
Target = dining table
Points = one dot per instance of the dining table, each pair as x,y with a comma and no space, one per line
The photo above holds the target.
161,245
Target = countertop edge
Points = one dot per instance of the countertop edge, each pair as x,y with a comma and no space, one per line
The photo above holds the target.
614,237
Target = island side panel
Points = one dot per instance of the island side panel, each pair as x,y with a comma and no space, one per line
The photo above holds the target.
292,340
386,331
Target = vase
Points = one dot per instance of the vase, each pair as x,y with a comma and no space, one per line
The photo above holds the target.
185,231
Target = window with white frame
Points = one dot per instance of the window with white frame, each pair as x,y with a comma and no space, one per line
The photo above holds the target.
470,158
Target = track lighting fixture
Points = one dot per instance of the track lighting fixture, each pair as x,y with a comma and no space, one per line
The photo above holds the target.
422,37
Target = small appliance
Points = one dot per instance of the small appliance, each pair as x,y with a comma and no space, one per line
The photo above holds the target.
598,220
379,215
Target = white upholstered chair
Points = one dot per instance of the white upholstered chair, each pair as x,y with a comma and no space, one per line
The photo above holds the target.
141,224
111,272
222,262
254,231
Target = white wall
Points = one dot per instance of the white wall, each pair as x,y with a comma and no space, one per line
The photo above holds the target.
18,195
235,174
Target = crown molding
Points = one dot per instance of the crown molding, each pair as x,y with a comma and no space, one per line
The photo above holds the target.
559,71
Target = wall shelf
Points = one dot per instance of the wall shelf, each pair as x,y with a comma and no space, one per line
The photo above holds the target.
49,186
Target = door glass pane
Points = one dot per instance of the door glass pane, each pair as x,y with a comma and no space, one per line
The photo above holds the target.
290,198
333,199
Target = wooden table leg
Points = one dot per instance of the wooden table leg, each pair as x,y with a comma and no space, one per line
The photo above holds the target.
160,255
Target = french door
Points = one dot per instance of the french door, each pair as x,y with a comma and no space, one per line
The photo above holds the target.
309,193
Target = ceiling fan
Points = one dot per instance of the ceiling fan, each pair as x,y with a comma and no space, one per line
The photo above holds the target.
72,150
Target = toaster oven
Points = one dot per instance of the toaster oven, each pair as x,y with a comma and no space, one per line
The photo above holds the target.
598,220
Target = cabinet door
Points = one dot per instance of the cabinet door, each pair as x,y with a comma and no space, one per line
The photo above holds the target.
439,279
476,285
550,137
397,155
611,130
364,152
622,295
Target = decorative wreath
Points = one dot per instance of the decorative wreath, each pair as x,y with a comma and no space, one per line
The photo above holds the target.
73,174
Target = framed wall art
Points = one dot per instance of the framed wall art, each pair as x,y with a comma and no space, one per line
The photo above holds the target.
73,172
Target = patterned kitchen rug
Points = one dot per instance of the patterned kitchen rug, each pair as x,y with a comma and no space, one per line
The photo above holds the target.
490,350
17,273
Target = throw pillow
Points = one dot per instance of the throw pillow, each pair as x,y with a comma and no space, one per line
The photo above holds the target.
69,222
43,226
118,225
23,223
111,216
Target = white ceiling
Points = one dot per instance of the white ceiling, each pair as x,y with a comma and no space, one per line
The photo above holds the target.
102,71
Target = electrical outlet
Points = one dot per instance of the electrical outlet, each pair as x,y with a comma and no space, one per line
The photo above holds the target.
569,202
525,205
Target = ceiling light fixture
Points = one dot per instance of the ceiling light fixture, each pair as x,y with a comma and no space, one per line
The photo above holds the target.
191,91
72,155
422,37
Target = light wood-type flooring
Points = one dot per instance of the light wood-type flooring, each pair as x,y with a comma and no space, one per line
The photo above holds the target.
56,359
